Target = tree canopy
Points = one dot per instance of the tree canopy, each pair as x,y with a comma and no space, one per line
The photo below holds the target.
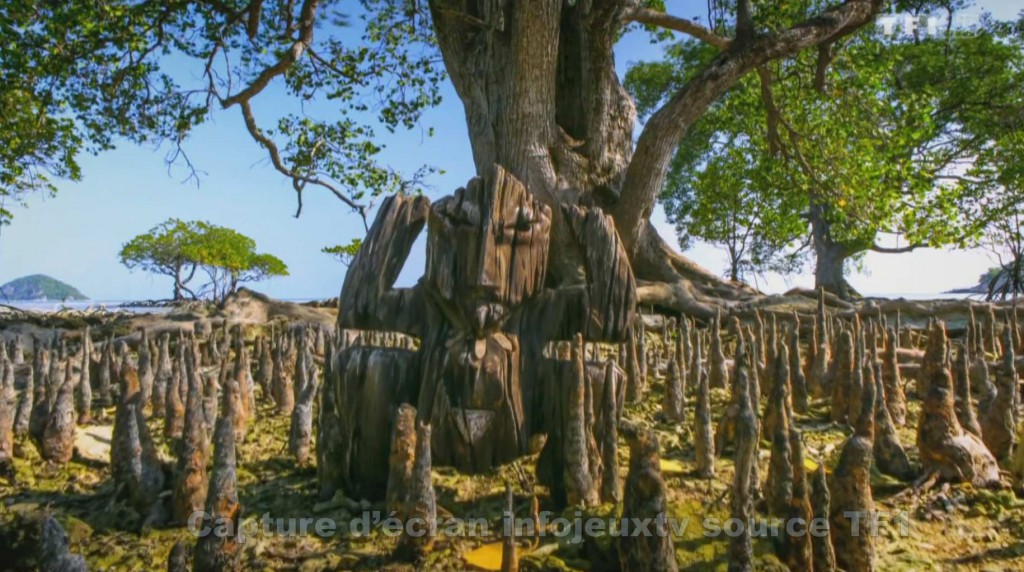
179,249
78,77
833,158
542,98
344,253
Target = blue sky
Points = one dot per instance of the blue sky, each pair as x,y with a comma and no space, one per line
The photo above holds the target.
76,235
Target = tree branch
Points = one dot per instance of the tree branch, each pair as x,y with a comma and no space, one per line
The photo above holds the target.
771,111
657,18
744,21
825,57
307,17
666,128
302,44
897,250
299,181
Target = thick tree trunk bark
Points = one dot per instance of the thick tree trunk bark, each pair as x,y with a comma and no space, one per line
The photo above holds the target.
829,273
542,99
177,284
830,256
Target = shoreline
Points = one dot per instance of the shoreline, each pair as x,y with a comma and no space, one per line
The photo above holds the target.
163,306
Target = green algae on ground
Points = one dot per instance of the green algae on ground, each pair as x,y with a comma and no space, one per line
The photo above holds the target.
980,531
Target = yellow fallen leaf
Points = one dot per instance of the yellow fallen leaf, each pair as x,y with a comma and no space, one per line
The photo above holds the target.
486,557
811,467
671,467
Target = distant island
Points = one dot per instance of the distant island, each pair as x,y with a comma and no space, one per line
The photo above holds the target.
38,287
996,282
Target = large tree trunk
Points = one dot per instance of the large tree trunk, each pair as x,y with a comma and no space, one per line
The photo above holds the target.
830,256
671,281
177,284
542,99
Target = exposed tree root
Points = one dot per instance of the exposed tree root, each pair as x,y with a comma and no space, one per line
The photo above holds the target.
669,282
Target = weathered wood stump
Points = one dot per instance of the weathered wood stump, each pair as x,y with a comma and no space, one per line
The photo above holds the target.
421,505
822,551
991,341
106,374
999,424
704,438
17,351
936,357
367,384
741,548
725,434
319,341
190,478
852,506
797,379
242,400
895,399
645,497
842,380
641,347
636,380
766,374
683,352
162,375
55,554
221,550
890,456
795,550
483,318
247,394
963,404
212,384
26,403
174,407
718,369
756,373
180,557
780,405
134,463
817,377
84,386
8,410
59,434
58,348
609,435
779,483
42,395
672,406
758,350
328,436
944,446
265,367
509,555
145,366
581,488
1017,466
974,336
402,459
281,382
982,381
307,383
856,390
